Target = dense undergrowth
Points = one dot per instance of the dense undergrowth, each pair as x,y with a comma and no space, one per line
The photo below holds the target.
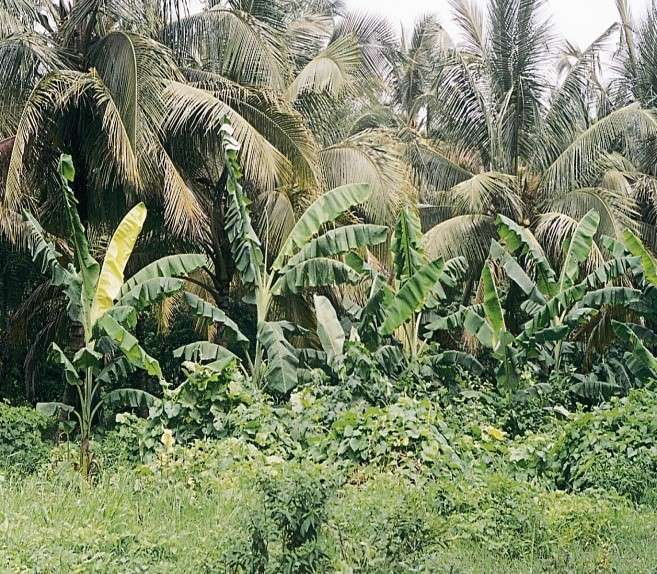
329,482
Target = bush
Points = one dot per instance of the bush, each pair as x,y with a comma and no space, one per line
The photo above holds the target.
22,432
611,448
296,496
198,408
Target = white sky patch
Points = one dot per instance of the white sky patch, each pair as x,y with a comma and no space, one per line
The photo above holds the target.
580,21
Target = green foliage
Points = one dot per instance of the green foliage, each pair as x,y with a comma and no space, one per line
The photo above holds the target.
23,438
296,498
199,407
611,448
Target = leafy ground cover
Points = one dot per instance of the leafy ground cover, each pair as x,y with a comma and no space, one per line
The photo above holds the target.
416,491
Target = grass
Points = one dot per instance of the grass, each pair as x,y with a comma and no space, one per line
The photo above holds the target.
130,522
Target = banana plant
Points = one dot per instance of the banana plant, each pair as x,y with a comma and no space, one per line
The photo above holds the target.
556,302
105,306
640,360
565,298
310,257
398,304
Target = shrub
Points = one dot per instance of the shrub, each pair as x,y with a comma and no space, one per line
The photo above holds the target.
296,496
199,407
22,445
611,448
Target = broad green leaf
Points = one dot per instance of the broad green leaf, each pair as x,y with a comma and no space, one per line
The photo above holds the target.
492,306
129,346
461,359
579,248
203,351
118,252
455,320
614,296
208,311
176,266
612,269
406,244
87,265
66,167
125,315
54,408
372,315
330,331
318,272
244,241
282,361
340,241
44,252
591,388
133,398
324,210
116,372
518,239
150,292
476,325
515,272
411,298
454,272
70,372
87,357
641,362
636,248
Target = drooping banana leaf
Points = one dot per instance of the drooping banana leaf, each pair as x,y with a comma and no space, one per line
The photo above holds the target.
330,331
171,266
87,265
324,210
454,271
371,316
412,297
612,269
406,244
54,408
636,248
313,359
150,292
318,272
641,362
125,315
282,360
590,387
579,248
455,320
208,311
340,241
516,273
129,346
203,351
244,241
117,371
518,239
133,398
88,358
70,372
476,325
614,296
44,253
555,308
461,359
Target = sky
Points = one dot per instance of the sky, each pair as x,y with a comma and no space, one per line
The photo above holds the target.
580,21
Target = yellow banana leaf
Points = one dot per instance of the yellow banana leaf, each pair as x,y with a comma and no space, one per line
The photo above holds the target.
118,252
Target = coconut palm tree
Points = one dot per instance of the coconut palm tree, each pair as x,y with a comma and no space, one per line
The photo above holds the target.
537,151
